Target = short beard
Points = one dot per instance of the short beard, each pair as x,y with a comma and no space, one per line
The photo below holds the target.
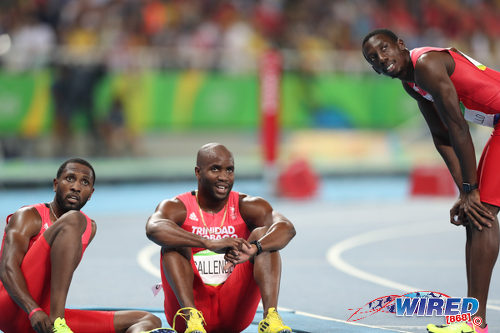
62,205
210,190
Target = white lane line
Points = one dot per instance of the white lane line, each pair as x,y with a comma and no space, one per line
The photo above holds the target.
144,259
311,315
334,254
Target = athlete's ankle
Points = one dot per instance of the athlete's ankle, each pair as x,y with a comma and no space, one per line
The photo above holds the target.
266,311
54,317
187,309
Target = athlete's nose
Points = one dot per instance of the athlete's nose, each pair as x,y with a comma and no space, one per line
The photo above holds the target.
382,59
222,176
76,186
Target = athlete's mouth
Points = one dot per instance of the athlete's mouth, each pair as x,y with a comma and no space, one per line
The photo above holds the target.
390,68
221,188
73,198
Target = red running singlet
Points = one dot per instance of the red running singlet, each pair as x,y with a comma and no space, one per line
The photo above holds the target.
478,89
228,301
36,269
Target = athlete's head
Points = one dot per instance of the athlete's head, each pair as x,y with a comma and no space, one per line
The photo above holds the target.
386,53
74,184
214,171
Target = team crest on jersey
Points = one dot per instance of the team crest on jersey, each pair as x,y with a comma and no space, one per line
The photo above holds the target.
193,217
232,213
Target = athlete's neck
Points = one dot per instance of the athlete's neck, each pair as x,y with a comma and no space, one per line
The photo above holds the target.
210,205
409,73
55,211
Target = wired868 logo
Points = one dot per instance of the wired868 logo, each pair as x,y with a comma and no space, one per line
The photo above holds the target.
422,304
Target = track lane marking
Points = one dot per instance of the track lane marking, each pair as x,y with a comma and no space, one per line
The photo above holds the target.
334,253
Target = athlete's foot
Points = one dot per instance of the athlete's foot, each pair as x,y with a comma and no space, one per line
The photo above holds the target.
478,329
194,320
60,326
460,327
273,323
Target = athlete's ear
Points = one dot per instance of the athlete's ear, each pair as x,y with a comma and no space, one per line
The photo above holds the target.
401,44
54,186
376,70
197,172
92,192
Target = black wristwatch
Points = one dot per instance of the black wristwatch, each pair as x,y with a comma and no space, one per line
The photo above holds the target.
468,187
258,246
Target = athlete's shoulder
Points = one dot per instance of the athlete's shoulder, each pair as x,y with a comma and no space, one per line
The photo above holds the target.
27,214
26,220
176,202
419,51
173,209
243,197
249,203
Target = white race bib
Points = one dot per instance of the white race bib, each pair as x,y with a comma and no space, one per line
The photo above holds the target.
210,265
479,117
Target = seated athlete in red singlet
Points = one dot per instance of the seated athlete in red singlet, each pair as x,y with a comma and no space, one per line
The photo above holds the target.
442,81
41,248
219,252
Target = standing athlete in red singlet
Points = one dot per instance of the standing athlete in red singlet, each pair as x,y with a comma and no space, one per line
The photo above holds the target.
219,252
442,81
41,248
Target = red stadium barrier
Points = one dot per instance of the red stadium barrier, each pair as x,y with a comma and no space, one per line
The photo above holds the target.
298,181
432,181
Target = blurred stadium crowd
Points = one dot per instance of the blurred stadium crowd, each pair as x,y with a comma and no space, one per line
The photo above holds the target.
69,47
230,34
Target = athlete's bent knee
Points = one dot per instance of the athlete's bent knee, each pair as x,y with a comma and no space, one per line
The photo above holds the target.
74,219
69,222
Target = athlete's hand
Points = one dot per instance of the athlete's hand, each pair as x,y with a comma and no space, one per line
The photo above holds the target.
41,322
475,211
224,244
456,214
245,253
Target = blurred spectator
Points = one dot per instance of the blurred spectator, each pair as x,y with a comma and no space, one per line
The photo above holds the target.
230,34
73,93
117,138
32,40
86,38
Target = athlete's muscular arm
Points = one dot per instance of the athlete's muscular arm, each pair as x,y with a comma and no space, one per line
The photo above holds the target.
432,73
258,213
164,228
22,226
441,139
439,133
